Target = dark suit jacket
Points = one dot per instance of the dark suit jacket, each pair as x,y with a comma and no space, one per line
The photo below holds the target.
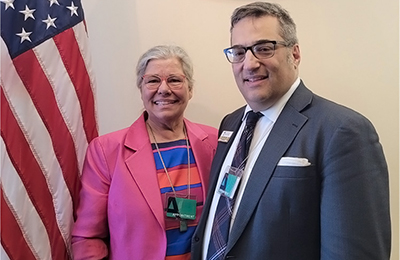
337,208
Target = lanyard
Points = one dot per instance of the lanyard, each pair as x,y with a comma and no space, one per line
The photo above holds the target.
162,161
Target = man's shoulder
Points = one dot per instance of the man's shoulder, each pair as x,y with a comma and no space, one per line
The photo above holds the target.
321,106
324,107
329,113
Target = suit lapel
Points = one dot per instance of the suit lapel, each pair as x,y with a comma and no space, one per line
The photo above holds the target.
282,134
231,124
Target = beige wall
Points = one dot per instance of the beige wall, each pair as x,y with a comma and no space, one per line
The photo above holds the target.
350,54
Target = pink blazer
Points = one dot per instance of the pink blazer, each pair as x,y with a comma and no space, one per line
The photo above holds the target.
120,196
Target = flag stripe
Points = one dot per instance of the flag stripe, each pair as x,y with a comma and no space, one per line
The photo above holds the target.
82,40
11,236
75,65
42,95
40,141
83,43
31,175
28,219
3,254
48,117
65,95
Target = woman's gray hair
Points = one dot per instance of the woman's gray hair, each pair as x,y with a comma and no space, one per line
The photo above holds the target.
163,52
260,9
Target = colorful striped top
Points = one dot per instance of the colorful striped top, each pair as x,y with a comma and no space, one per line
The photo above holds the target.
175,157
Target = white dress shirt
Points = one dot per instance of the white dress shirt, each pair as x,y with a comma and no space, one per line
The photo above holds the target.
261,132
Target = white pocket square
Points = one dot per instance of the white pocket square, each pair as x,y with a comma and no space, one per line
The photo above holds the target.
293,161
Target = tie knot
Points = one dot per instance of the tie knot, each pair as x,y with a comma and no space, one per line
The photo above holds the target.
252,118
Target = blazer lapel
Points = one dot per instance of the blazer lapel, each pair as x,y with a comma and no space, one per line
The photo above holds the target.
202,150
282,134
142,167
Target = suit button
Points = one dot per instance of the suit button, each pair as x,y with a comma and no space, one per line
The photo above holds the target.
196,238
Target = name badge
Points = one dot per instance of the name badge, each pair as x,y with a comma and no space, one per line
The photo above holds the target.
181,208
230,181
225,136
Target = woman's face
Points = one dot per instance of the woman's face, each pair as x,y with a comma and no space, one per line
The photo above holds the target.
164,104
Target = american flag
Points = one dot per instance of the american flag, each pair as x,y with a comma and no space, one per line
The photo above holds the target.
47,120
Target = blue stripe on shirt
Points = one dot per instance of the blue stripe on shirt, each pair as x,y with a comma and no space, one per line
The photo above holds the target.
182,241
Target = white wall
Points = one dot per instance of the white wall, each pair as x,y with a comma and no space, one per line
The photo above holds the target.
350,54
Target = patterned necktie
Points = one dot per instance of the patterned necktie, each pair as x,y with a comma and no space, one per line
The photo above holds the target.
223,213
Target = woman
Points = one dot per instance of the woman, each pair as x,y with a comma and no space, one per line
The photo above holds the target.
143,187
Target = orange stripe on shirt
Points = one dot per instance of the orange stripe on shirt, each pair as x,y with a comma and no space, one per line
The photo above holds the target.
178,257
178,177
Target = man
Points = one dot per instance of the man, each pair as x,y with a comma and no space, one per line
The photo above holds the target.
315,181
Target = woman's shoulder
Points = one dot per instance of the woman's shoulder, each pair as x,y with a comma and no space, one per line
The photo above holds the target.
137,128
113,136
199,126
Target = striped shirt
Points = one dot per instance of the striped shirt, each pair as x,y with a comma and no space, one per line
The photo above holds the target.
175,156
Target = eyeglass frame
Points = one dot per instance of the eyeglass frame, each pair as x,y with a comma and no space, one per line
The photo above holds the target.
164,78
251,48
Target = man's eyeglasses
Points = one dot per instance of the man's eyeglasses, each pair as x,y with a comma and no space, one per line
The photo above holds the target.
260,50
153,82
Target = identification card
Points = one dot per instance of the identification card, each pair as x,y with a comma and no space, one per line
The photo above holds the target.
225,136
230,182
182,208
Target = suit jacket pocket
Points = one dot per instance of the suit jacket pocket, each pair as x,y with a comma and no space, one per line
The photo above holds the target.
294,172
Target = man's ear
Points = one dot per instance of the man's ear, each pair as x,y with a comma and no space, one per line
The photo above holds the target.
296,56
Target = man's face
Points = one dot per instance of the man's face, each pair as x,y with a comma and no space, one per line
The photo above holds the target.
263,81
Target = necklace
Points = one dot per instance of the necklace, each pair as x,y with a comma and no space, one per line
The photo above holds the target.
181,208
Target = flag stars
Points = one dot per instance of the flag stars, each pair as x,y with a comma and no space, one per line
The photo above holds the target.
53,2
28,13
9,3
24,35
49,22
73,9
28,28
